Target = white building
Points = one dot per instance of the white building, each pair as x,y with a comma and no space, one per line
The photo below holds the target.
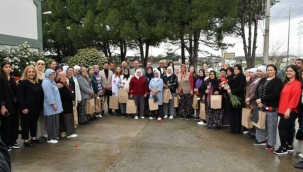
20,21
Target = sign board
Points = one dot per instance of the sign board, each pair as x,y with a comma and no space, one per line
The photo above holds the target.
229,55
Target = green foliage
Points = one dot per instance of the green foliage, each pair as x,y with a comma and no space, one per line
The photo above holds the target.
20,57
87,57
234,100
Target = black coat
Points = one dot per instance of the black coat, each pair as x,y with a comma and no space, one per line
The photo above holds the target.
237,85
29,96
7,94
67,99
173,80
215,86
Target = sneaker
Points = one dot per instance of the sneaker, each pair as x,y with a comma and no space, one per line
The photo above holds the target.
301,155
136,117
100,116
197,118
72,136
290,149
171,117
281,151
45,135
151,118
63,134
52,141
201,123
257,143
15,146
246,132
159,119
269,148
142,117
9,148
165,116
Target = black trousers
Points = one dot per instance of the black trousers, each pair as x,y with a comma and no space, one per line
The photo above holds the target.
9,129
285,127
107,94
235,121
160,112
29,124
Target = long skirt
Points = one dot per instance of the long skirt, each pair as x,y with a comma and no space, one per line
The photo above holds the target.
67,123
214,117
83,117
185,105
270,130
169,108
52,127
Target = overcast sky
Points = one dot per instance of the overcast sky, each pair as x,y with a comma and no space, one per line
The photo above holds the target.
278,33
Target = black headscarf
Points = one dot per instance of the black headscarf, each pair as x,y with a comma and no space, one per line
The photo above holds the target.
213,81
201,77
149,76
126,76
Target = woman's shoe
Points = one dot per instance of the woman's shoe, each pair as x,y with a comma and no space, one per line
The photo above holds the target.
72,136
15,146
52,141
28,144
37,141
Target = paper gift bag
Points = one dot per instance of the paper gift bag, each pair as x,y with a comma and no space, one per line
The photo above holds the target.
114,102
131,107
216,101
75,113
246,121
123,96
176,102
90,106
152,104
202,111
261,121
166,95
98,105
195,102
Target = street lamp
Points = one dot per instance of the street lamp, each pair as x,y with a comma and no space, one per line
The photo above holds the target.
289,30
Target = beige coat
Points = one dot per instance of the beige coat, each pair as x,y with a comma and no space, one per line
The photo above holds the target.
106,81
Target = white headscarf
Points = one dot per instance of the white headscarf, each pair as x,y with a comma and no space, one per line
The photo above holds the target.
138,70
253,70
172,71
64,68
156,70
262,68
77,67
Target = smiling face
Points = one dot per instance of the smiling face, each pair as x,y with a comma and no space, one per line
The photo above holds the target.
156,74
222,74
212,75
70,72
192,70
251,74
63,78
138,74
40,66
260,73
31,73
7,69
169,71
52,76
270,71
236,70
290,73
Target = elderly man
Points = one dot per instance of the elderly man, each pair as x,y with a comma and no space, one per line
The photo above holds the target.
123,66
161,67
131,63
76,71
137,66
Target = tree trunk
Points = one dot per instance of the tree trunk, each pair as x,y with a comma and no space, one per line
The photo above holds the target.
108,49
182,50
248,60
141,51
253,57
190,50
196,48
146,55
243,33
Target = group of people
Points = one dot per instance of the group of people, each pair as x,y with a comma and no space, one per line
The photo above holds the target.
57,98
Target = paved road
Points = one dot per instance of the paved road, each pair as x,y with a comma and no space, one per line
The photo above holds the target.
117,144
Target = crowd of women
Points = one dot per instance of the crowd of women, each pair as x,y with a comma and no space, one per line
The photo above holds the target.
58,98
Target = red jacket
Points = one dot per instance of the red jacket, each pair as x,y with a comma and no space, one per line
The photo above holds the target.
290,97
138,87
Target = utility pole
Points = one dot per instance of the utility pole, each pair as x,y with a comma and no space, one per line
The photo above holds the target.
266,36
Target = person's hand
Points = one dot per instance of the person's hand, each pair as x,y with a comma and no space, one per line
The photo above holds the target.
203,98
177,91
131,96
258,101
154,93
226,88
121,86
17,82
195,90
191,92
25,111
168,85
59,85
247,100
206,92
216,92
260,105
165,86
55,107
145,95
287,114
113,93
3,110
228,91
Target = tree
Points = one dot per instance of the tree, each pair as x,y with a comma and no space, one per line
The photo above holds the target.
87,57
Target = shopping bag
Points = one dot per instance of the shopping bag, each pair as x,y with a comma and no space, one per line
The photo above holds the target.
98,105
152,104
216,101
90,106
176,101
202,111
75,113
123,96
131,107
166,95
261,121
246,121
195,102
114,102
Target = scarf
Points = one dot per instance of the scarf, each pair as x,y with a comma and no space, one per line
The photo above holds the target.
138,70
199,82
157,71
225,80
96,74
167,74
126,76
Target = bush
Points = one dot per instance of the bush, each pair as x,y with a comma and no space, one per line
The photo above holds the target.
87,57
20,57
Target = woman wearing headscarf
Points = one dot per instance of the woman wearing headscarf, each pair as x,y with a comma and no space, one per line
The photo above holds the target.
30,96
8,102
171,64
170,82
68,100
125,80
52,105
86,93
198,83
211,87
156,88
74,85
185,91
40,67
236,88
177,71
138,91
225,97
149,75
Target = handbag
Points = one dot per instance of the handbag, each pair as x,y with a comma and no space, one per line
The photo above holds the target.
195,104
75,114
202,111
166,95
261,123
131,107
216,101
114,102
90,106
123,96
152,105
299,135
98,105
176,102
246,122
